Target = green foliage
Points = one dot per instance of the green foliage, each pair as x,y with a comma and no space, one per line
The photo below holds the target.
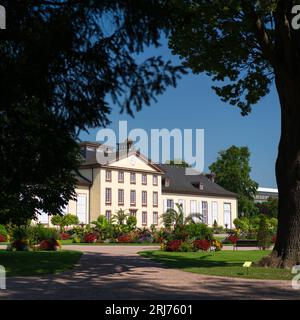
263,234
199,231
203,34
69,65
268,208
131,223
232,170
103,227
3,230
120,217
64,221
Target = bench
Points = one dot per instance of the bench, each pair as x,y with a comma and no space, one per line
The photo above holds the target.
246,243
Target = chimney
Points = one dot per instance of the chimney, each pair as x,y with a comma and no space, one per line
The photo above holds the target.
211,176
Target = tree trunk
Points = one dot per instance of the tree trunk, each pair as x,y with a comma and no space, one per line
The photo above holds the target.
286,252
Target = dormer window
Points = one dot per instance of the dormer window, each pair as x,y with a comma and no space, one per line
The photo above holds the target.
167,182
201,186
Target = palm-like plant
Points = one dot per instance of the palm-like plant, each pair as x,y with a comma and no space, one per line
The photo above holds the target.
120,217
177,217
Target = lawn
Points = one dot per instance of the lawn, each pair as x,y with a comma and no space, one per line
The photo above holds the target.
222,263
38,263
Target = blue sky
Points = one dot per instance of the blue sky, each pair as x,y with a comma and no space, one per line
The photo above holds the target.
194,105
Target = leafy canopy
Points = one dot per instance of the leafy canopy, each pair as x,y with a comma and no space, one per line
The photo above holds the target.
232,170
240,44
62,62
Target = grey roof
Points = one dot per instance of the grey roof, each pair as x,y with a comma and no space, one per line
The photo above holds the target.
179,182
81,180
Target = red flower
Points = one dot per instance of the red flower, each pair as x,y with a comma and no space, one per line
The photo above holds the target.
274,238
49,245
2,238
233,239
202,244
173,245
124,239
64,236
90,238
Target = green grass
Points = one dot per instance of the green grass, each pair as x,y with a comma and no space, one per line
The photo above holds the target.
222,263
36,263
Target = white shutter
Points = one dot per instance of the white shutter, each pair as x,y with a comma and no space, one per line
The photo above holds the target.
81,208
165,205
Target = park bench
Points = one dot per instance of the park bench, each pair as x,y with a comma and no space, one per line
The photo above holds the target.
246,243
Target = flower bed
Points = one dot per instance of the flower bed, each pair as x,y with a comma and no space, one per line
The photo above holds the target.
203,245
173,245
124,238
90,238
64,236
2,238
49,245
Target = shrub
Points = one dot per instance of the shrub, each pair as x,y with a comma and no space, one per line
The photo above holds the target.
124,238
131,223
263,234
186,247
20,245
49,245
232,239
174,245
90,238
217,245
65,221
199,231
3,230
38,233
203,245
2,238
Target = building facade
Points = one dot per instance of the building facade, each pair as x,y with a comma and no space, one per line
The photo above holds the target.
127,180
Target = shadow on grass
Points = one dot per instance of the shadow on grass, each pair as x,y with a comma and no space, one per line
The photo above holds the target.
185,262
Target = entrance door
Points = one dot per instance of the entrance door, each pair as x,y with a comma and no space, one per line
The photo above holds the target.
214,212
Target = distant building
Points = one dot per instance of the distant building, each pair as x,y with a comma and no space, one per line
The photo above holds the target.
263,194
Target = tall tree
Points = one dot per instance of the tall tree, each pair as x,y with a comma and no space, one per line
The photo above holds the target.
250,44
232,170
61,64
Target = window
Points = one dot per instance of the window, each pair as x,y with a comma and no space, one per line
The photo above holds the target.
144,198
227,215
108,214
144,218
132,177
121,197
121,176
132,197
155,199
108,196
132,213
155,218
193,206
170,204
205,212
81,208
144,179
108,175
155,180
167,182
